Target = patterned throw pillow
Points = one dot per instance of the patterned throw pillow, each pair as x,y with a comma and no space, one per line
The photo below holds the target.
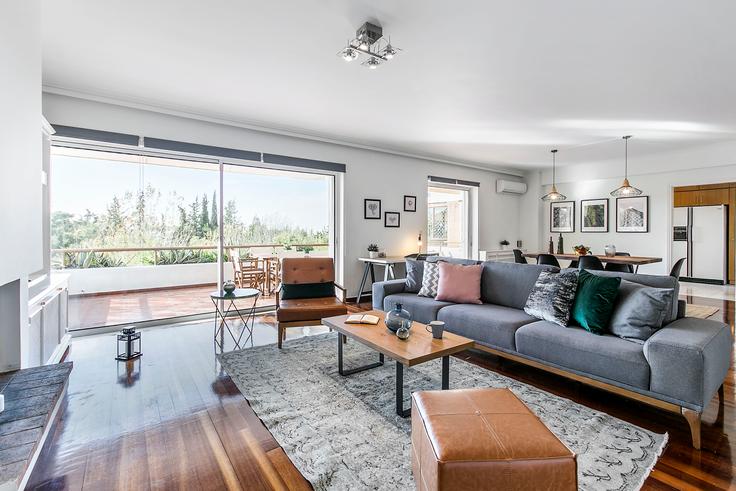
552,296
430,280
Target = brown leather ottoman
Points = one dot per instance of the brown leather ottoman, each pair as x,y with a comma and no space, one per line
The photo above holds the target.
477,439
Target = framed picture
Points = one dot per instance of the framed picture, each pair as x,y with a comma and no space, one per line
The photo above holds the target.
632,214
562,216
372,209
410,203
594,215
392,219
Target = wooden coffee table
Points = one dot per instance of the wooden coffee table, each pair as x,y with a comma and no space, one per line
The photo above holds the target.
419,348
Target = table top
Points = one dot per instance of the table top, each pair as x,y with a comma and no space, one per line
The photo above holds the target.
633,260
383,260
238,293
418,348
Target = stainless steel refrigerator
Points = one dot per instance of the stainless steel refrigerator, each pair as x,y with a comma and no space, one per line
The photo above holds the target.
700,234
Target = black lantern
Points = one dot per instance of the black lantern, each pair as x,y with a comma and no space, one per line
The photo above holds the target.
129,345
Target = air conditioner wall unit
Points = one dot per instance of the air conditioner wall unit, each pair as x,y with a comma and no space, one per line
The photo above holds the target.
510,187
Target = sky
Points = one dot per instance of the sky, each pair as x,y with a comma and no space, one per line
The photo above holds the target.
298,199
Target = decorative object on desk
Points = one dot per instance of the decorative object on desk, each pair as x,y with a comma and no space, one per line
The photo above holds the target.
562,216
437,328
632,214
229,287
609,250
419,243
410,203
129,345
519,244
553,195
594,215
560,245
403,333
381,254
551,246
504,244
372,209
626,190
373,251
581,250
397,318
392,219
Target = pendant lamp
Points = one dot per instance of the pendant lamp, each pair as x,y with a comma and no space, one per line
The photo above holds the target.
554,195
626,190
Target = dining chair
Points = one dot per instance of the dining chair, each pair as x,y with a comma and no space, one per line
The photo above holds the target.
548,259
623,268
573,264
237,272
591,263
252,274
675,272
519,257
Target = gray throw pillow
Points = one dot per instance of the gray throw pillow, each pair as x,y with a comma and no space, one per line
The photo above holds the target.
414,275
640,310
552,296
430,280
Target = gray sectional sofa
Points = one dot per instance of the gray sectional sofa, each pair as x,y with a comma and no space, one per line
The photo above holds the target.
679,368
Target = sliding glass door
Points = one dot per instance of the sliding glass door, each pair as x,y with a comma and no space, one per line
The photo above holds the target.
138,234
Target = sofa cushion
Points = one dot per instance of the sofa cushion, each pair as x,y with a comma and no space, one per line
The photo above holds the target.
655,281
422,309
640,310
430,280
607,356
509,284
493,325
459,283
414,275
552,296
594,301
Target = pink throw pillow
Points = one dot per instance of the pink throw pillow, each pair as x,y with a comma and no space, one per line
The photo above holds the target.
459,284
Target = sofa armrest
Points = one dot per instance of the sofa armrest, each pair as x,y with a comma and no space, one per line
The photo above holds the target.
382,289
681,308
689,359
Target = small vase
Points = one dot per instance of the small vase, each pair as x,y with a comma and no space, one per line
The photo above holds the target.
228,287
398,318
610,250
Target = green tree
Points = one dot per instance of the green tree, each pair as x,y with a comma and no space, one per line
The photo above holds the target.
205,218
213,215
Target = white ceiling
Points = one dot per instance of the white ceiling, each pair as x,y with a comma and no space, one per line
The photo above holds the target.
487,82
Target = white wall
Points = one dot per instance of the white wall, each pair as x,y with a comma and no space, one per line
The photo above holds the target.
370,174
20,169
656,175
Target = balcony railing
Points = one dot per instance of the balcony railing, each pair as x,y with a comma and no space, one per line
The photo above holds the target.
107,257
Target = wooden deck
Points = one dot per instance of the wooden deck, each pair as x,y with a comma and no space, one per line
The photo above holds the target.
110,309
175,420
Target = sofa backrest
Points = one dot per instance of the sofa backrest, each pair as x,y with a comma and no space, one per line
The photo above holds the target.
509,284
654,281
452,260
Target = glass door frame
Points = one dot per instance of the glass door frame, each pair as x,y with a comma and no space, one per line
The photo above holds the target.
470,215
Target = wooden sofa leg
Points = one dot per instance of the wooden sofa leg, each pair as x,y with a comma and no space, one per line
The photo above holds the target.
282,332
693,419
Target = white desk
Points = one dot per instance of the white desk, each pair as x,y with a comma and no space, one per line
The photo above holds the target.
387,262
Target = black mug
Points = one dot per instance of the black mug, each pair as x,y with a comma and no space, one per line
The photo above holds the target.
437,328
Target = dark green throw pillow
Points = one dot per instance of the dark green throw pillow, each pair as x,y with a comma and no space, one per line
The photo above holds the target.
307,290
594,301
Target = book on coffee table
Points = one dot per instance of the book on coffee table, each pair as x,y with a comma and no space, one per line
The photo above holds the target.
362,319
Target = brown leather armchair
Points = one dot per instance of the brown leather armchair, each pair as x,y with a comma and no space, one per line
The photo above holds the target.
307,293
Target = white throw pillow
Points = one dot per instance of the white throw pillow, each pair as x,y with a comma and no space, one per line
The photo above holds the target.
430,280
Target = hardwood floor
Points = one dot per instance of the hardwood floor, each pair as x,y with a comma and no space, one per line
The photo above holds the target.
174,420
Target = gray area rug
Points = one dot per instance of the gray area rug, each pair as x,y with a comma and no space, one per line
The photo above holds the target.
342,432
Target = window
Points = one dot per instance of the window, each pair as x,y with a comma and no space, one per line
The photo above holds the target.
449,223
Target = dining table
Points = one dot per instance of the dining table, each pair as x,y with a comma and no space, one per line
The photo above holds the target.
634,261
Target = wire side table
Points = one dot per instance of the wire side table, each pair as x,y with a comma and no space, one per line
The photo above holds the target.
229,305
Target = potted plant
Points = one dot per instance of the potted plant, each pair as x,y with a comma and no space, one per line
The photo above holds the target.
373,251
504,244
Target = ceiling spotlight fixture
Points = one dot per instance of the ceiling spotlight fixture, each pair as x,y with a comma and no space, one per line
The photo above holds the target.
369,41
626,189
554,195
349,54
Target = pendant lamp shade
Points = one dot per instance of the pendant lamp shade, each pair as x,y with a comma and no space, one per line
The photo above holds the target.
626,190
554,195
